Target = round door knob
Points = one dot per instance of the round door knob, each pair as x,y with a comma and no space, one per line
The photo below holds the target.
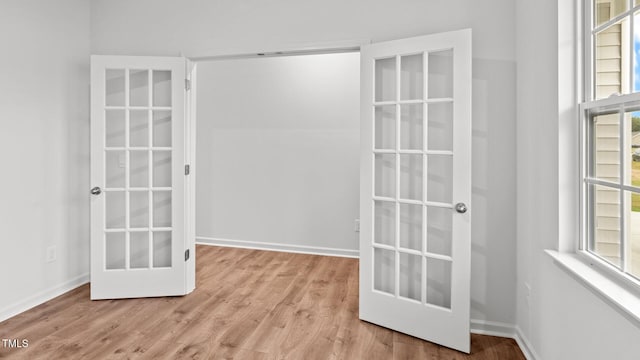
96,191
461,208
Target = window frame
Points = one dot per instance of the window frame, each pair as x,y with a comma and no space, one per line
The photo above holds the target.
588,108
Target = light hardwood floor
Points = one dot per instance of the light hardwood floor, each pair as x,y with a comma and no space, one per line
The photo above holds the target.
248,304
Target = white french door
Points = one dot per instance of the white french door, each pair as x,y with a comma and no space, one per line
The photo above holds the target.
138,158
416,186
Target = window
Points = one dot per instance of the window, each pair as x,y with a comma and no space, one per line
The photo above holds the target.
610,128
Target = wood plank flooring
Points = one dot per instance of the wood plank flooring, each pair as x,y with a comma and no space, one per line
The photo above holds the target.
248,304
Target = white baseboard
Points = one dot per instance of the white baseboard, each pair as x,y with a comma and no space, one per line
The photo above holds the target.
525,345
300,249
494,328
42,297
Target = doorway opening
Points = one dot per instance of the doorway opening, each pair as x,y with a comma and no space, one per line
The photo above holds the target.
278,152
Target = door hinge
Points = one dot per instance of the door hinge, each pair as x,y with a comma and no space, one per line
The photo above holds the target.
187,169
186,255
187,84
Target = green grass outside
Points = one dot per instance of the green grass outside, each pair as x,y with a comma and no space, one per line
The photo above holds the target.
635,181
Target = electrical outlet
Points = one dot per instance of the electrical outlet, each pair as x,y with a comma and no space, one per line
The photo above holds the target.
356,226
51,254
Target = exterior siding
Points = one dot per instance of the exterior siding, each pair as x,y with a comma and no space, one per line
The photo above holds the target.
608,80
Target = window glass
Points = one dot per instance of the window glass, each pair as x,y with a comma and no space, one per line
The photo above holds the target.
613,185
605,10
610,67
611,136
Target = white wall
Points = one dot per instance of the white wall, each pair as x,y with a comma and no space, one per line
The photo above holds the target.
168,27
44,148
559,316
278,150
164,27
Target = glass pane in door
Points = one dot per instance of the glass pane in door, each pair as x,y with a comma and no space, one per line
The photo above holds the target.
411,77
139,87
114,209
411,276
115,251
139,169
161,88
115,168
439,230
139,253
161,209
411,226
384,231
114,83
161,249
114,128
384,268
139,209
411,176
439,282
440,126
161,168
385,127
411,126
385,78
385,175
440,74
138,128
440,178
161,128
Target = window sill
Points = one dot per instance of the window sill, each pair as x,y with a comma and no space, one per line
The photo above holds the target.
612,292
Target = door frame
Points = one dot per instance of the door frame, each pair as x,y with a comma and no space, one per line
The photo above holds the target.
285,49
257,52
317,48
190,181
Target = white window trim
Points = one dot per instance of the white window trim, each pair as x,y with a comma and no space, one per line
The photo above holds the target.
606,288
595,274
616,103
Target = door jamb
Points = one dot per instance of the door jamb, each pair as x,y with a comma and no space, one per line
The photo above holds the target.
192,62
281,50
190,181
